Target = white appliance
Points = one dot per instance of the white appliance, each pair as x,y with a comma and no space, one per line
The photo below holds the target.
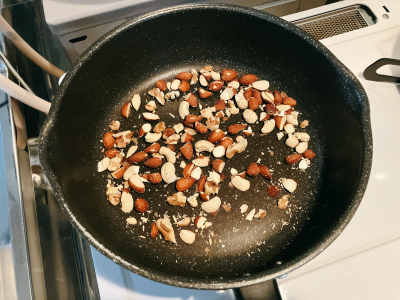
364,262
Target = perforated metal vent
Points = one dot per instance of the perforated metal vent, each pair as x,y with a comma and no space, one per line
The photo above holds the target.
337,22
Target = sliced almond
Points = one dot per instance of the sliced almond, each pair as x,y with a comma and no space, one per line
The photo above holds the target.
187,236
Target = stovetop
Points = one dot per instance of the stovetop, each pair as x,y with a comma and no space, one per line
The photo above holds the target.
363,262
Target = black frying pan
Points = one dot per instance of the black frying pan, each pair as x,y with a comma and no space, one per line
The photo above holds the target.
159,45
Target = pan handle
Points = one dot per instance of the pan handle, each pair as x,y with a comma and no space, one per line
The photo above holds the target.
267,290
23,95
370,72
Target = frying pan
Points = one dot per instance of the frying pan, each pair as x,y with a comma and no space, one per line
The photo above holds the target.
130,59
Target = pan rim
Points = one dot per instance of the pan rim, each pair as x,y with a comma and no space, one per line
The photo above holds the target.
186,282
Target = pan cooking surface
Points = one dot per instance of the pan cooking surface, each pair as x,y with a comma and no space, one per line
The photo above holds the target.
130,60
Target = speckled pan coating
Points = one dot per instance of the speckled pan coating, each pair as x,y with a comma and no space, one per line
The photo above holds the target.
130,59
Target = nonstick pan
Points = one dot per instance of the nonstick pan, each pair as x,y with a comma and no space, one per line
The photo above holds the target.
130,59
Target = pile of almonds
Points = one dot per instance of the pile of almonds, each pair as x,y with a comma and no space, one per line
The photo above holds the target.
247,95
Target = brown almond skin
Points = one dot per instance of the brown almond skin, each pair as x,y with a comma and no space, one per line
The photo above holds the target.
273,190
153,148
253,170
220,105
184,183
191,99
108,140
243,175
186,124
257,95
204,94
278,122
228,75
204,196
184,86
201,183
126,109
155,178
119,173
161,85
168,132
289,101
248,79
216,86
141,205
226,141
216,136
200,128
284,95
309,154
193,119
171,146
271,110
253,103
111,153
234,129
277,97
222,176
185,76
187,169
216,164
248,93
264,171
289,111
154,230
153,163
187,150
138,157
293,158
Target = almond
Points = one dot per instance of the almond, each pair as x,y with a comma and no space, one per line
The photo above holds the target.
257,95
199,221
160,127
187,150
242,175
154,148
280,122
261,85
201,161
165,226
268,97
184,76
271,110
153,163
204,94
150,116
234,83
191,99
228,75
144,130
119,173
200,128
111,153
234,129
216,136
161,85
168,132
277,97
191,119
138,157
141,205
216,86
201,183
188,169
172,147
184,183
186,137
309,154
226,141
108,140
283,94
248,79
126,163
253,170
253,103
289,111
289,184
289,101
273,190
155,178
264,171
186,124
184,86
293,158
126,109
218,165
204,196
283,202
220,105
154,230
136,184
248,93
187,236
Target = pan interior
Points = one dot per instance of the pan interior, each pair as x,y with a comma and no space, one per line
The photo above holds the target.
159,48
